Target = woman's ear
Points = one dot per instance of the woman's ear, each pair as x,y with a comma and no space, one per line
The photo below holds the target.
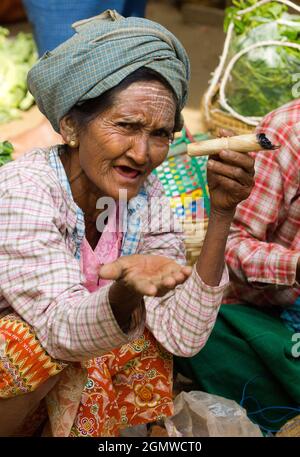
68,131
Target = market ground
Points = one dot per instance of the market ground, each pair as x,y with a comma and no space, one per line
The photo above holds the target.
203,44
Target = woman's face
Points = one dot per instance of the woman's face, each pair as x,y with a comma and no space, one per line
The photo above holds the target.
120,148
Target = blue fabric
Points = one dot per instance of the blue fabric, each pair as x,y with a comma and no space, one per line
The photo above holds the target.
58,167
131,220
52,19
291,316
132,230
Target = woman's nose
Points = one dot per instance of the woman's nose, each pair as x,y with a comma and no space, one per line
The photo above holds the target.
139,150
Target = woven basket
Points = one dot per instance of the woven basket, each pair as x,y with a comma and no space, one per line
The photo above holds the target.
194,223
215,109
291,428
216,119
194,234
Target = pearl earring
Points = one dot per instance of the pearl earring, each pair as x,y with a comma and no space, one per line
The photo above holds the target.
73,143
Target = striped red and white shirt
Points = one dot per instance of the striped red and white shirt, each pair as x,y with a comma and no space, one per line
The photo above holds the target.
263,247
41,280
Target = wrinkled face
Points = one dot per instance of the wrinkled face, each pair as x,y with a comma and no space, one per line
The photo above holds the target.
124,144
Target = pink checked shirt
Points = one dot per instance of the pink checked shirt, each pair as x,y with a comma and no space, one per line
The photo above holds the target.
264,242
42,281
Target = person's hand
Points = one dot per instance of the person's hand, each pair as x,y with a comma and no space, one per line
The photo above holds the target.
230,177
151,275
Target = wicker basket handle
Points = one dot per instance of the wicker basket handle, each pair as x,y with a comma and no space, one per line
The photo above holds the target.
250,120
215,81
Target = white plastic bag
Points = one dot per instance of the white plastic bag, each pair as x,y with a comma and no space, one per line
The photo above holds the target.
199,414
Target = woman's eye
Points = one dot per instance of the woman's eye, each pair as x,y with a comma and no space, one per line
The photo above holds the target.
161,133
126,125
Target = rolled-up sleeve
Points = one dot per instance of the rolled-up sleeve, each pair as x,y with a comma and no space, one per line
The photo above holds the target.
183,319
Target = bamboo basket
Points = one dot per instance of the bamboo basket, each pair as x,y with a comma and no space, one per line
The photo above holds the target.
194,234
215,118
194,226
291,428
215,109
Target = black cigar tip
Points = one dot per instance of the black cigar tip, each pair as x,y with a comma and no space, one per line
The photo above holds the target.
265,143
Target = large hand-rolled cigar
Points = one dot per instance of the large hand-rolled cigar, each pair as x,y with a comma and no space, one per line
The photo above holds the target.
241,143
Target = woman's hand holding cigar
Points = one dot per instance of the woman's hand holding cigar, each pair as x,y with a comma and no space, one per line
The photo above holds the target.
230,173
230,176
230,167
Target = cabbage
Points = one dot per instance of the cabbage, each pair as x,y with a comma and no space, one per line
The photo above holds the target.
17,55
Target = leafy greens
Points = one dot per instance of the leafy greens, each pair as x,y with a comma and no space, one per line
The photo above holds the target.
6,149
17,55
263,79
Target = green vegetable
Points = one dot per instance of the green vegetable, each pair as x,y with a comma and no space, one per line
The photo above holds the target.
17,55
262,80
6,150
268,12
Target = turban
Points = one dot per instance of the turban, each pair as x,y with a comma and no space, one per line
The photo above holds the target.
103,51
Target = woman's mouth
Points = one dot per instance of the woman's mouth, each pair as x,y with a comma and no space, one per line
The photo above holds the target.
127,172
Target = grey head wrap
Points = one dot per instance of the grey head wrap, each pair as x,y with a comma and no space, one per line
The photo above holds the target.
104,50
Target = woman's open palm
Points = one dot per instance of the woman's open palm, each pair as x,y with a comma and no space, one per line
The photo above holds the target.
152,275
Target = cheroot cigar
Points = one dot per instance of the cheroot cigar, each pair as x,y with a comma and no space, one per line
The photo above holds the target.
241,143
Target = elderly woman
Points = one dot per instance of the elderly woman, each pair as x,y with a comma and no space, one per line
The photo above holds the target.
95,306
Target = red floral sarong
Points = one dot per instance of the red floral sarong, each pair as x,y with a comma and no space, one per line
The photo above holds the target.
126,387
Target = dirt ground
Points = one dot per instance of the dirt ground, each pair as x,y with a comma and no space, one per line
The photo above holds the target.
203,44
